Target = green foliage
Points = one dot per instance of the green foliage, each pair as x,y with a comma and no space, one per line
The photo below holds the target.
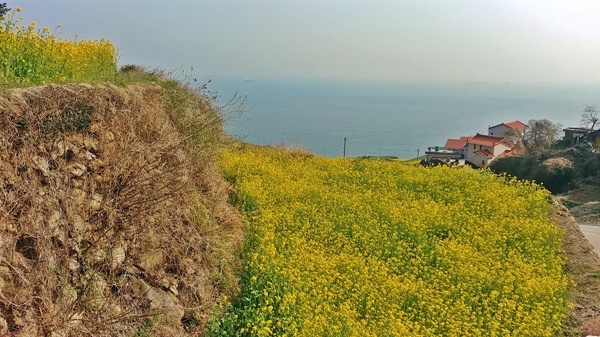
570,203
73,118
553,173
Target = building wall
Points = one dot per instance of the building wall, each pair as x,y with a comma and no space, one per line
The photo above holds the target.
481,159
498,131
499,149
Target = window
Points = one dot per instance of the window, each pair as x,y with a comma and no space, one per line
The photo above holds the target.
474,146
480,147
482,162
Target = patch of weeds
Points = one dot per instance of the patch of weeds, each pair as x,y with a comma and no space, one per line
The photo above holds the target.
596,275
77,118
570,203
144,330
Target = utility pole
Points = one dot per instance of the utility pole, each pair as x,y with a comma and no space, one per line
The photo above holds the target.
418,154
345,141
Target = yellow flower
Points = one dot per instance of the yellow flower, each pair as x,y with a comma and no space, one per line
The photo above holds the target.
19,9
371,248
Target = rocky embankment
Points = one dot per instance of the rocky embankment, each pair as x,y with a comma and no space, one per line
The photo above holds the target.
113,218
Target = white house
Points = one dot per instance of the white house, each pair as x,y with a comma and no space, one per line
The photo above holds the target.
481,149
500,130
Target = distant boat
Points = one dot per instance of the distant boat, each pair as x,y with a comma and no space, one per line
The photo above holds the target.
248,80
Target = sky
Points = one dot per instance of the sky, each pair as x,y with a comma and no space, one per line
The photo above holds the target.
420,41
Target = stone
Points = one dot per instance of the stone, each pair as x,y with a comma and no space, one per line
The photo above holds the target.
59,150
117,257
165,302
42,165
78,196
96,202
54,220
150,260
77,170
89,156
73,265
90,143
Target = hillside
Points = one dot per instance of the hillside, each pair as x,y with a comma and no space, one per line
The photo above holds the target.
114,219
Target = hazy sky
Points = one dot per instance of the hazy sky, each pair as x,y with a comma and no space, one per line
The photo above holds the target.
442,41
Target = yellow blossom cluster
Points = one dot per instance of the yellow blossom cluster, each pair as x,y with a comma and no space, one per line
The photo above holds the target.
35,56
354,247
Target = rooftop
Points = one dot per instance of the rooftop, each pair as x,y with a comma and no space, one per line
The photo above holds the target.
485,140
458,144
515,125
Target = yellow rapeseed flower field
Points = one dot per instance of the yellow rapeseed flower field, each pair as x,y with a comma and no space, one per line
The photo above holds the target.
30,56
350,247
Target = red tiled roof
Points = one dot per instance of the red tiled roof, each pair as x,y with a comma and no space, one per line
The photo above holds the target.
457,144
485,140
516,150
485,152
516,125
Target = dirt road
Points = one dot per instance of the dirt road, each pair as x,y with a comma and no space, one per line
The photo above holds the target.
592,233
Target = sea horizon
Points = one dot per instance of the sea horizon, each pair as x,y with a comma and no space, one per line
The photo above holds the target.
384,118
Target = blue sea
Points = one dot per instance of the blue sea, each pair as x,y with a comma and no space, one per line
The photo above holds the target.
389,119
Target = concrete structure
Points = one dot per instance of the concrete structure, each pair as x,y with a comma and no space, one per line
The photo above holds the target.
452,151
575,135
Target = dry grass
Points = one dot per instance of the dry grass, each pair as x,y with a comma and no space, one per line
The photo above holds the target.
114,219
583,265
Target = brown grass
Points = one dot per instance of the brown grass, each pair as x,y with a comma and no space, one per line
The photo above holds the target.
583,265
114,219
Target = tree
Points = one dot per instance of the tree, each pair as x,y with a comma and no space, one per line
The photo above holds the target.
3,9
590,116
541,134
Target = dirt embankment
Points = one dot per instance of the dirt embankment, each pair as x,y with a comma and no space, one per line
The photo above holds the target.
584,266
113,217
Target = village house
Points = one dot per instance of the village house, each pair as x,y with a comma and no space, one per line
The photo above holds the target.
479,150
501,129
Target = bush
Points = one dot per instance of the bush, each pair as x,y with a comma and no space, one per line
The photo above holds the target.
554,173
